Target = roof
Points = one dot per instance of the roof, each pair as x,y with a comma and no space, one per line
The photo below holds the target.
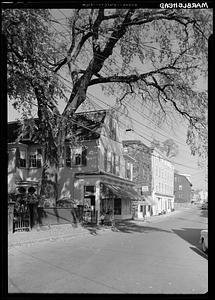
185,176
88,125
85,126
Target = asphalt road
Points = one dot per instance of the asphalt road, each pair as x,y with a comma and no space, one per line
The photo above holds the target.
158,257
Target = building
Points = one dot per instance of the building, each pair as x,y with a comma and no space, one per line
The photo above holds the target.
154,178
95,173
162,183
182,188
142,176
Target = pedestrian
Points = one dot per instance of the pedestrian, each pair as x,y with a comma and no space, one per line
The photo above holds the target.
102,218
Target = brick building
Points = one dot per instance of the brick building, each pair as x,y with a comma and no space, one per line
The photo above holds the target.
182,188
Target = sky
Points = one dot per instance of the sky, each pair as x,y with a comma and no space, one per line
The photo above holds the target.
143,124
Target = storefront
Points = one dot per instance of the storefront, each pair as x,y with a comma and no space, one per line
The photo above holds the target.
146,207
165,203
105,193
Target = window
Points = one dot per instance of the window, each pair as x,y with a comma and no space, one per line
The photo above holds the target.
76,156
117,206
22,159
127,169
112,129
114,163
68,156
89,190
141,208
109,162
105,160
180,187
35,159
117,163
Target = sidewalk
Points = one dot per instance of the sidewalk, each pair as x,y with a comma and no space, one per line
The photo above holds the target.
52,233
56,232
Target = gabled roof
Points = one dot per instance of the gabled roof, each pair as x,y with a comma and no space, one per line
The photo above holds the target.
84,125
184,176
88,125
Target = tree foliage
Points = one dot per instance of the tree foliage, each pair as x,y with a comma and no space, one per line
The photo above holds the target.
168,147
155,54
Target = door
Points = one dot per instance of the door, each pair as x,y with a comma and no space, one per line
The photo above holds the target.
117,206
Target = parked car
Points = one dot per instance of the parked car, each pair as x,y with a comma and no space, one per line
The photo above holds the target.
204,205
204,239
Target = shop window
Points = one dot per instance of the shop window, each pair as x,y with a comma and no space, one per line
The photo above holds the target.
117,206
35,159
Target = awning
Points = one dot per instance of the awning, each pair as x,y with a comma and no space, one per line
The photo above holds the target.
123,192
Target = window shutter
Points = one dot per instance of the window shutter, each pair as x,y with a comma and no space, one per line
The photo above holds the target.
68,156
105,160
39,164
17,157
114,163
84,157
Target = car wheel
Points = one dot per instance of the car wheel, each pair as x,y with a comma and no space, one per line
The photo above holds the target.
204,247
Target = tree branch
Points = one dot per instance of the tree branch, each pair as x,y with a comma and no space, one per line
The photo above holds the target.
130,78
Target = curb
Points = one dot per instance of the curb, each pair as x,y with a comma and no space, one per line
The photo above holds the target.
53,238
50,239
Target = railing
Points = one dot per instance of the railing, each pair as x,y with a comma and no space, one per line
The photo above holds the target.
21,219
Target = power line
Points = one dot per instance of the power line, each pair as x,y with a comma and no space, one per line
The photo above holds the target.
120,67
83,126
135,120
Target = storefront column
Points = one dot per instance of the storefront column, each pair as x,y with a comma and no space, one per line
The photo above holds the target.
97,201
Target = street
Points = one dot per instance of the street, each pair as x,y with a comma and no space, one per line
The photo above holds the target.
159,257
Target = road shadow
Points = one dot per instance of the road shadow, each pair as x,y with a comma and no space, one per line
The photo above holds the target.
129,227
125,226
191,235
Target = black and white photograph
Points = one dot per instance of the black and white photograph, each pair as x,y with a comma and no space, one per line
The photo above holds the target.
107,147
